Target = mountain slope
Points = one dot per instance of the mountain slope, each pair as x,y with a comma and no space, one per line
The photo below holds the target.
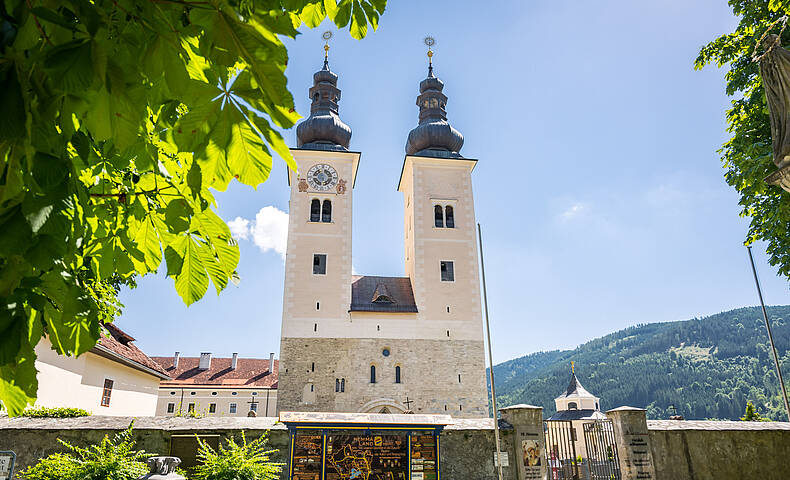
706,368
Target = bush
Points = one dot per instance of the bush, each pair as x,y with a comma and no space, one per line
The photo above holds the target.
56,412
245,461
114,459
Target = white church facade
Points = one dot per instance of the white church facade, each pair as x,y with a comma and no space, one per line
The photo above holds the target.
382,344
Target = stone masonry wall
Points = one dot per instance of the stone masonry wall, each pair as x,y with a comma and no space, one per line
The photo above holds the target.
712,450
430,372
466,447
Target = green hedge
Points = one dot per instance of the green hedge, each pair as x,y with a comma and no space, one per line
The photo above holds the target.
56,412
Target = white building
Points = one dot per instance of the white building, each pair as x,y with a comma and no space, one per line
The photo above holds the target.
114,378
578,406
221,387
362,343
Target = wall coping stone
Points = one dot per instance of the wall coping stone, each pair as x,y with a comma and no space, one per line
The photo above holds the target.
99,422
721,425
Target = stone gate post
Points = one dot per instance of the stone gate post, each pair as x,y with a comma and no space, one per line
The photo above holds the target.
633,443
527,421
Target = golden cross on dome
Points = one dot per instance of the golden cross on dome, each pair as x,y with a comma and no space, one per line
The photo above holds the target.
326,36
430,42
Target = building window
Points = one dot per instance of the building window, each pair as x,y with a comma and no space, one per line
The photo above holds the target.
319,264
312,367
172,393
171,407
213,393
106,392
572,406
438,218
233,393
192,393
342,385
397,374
191,408
448,275
372,374
459,378
315,210
253,407
326,212
449,218
212,408
337,385
232,408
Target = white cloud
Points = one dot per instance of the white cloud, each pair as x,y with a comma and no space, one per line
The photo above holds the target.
239,228
269,230
573,211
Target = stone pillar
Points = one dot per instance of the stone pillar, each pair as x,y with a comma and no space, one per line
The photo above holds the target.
527,421
633,443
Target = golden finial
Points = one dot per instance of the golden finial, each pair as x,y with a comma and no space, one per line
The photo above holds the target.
430,42
326,36
573,367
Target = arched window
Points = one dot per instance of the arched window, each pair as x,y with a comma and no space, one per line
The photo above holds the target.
326,212
337,385
397,374
449,219
342,385
438,217
315,210
572,406
372,374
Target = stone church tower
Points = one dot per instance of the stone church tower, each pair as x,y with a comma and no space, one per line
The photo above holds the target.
382,344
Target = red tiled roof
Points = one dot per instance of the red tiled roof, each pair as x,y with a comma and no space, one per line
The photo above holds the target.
249,372
120,344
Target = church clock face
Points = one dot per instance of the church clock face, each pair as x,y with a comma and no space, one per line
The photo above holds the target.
322,177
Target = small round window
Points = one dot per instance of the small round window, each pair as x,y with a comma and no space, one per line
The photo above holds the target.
386,352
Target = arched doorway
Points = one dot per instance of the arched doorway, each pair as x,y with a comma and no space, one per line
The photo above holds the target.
383,405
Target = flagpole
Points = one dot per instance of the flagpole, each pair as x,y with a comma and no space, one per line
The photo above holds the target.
770,334
490,356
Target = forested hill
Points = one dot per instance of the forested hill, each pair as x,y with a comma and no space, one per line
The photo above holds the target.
707,367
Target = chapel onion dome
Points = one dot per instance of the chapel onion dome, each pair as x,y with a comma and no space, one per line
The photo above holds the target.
434,136
323,129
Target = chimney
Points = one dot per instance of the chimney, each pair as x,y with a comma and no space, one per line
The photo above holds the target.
175,360
234,361
205,361
271,362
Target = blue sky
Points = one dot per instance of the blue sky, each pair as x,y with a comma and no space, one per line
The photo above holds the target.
598,186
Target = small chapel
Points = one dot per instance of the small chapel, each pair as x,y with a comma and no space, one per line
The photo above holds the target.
378,344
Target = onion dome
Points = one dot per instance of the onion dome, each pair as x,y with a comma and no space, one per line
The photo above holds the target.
323,129
434,136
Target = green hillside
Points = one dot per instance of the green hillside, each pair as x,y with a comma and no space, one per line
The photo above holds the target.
707,367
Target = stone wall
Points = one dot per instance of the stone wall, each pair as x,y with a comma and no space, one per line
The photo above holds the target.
467,447
712,450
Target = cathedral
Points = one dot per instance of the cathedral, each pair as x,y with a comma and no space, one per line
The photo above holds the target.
379,344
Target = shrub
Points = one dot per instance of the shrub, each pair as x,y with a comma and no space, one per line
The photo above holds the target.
56,412
114,459
244,461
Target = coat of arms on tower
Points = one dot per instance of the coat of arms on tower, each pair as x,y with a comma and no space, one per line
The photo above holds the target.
302,185
341,186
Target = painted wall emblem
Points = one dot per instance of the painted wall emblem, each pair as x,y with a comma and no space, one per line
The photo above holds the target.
302,185
341,187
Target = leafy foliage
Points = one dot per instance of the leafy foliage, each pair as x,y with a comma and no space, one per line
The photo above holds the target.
120,118
237,461
114,459
706,368
752,415
747,155
54,412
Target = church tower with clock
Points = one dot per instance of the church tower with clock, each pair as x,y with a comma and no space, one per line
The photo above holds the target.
361,343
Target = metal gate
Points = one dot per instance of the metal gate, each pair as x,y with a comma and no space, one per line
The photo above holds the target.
602,459
561,454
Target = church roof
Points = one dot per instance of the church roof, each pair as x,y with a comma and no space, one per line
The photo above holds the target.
575,389
382,294
586,414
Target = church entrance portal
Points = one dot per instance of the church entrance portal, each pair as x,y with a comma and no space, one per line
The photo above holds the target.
358,446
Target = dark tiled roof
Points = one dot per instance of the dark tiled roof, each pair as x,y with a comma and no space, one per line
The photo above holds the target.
249,372
382,294
578,415
575,389
119,344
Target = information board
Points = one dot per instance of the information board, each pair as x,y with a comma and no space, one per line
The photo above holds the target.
307,454
7,460
362,457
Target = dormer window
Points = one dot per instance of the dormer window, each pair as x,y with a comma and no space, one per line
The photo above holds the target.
381,295
572,406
